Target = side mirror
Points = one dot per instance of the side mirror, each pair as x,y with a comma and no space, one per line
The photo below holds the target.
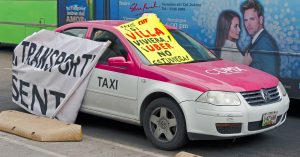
118,61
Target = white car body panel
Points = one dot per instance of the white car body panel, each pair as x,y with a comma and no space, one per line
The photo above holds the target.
120,102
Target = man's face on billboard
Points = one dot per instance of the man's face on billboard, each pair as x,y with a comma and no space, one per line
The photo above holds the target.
253,22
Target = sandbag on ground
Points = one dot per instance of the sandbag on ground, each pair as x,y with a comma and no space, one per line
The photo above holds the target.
38,128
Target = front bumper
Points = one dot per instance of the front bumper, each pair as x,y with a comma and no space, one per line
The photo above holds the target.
206,121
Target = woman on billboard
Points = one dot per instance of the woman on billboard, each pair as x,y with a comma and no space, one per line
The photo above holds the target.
228,32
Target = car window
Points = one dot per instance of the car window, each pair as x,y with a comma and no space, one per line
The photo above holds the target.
198,52
116,48
76,32
96,35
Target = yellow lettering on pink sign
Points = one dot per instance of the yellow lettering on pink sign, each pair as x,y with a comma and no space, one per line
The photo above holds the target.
155,42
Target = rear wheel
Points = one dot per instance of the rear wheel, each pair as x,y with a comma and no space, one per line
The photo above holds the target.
164,124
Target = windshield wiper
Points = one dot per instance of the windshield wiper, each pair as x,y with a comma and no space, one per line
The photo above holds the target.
163,64
194,61
207,60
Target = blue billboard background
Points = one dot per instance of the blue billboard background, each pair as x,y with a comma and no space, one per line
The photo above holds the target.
72,11
199,19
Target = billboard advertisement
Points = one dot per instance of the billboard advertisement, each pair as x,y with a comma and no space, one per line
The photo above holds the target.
73,11
268,40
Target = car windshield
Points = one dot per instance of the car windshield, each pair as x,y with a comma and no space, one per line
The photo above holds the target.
198,52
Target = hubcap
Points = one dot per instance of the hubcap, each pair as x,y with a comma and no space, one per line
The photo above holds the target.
163,124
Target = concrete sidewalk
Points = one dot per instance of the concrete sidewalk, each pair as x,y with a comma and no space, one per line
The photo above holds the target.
11,145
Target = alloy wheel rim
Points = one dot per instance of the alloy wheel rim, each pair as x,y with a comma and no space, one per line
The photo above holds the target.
163,124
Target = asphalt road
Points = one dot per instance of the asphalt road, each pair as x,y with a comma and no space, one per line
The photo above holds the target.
103,137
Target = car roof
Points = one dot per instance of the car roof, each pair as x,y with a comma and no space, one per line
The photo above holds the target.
108,22
112,23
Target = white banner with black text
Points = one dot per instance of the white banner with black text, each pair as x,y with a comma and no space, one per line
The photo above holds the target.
50,73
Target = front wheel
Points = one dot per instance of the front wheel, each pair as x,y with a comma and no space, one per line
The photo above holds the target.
164,124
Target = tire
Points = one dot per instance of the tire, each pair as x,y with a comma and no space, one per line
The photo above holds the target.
164,124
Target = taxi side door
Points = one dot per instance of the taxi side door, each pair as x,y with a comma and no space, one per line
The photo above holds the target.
112,90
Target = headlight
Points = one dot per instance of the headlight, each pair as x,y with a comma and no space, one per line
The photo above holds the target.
282,89
220,98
